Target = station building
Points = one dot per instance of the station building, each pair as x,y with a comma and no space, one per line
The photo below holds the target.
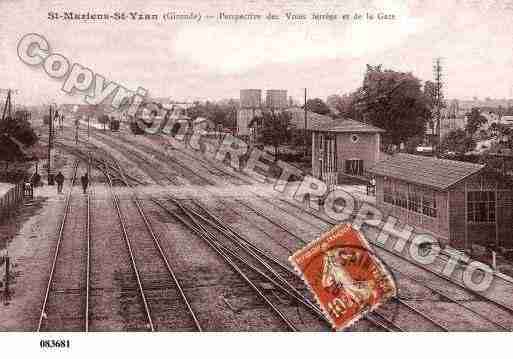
344,148
462,204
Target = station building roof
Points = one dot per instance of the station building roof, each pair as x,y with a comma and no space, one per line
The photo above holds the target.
313,120
429,171
348,125
323,123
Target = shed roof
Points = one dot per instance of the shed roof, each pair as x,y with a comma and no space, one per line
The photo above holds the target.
429,171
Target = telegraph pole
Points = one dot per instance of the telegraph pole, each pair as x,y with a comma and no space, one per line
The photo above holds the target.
50,129
76,131
306,131
7,106
437,72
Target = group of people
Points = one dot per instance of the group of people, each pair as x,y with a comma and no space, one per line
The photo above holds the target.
59,178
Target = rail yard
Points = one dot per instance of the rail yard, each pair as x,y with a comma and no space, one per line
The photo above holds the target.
165,239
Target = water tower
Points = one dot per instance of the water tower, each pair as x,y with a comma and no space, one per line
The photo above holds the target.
250,104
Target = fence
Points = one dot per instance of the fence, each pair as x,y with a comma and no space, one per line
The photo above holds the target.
11,199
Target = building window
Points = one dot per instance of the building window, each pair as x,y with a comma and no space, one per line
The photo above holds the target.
414,200
388,194
481,206
354,167
429,204
401,200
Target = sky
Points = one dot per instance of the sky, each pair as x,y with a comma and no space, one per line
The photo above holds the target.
212,59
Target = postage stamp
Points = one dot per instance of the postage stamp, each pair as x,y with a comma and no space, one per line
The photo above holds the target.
347,279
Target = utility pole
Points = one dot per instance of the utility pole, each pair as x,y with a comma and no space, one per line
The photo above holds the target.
7,106
306,128
438,77
7,277
76,131
50,129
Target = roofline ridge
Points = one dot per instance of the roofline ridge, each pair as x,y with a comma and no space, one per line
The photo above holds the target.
441,159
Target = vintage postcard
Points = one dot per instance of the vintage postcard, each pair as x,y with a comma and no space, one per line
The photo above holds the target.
161,161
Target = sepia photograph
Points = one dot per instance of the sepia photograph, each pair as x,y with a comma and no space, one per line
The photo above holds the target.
229,172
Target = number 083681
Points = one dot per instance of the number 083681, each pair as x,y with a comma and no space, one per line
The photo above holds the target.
54,343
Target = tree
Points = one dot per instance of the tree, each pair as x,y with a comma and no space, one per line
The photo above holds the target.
274,129
474,121
344,105
221,113
13,133
457,141
430,93
318,106
395,102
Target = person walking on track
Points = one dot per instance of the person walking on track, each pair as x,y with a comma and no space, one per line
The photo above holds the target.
85,181
60,181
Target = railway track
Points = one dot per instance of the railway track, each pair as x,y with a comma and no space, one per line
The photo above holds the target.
190,220
65,302
403,303
191,176
234,257
160,291
88,263
187,157
448,280
380,323
425,322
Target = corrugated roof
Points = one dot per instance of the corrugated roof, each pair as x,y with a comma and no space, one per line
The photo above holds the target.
428,171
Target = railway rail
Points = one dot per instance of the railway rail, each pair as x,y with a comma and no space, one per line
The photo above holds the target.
142,278
380,323
47,315
411,307
205,165
432,322
199,179
447,279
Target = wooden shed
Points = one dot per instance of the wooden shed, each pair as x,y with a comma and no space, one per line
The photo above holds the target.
460,203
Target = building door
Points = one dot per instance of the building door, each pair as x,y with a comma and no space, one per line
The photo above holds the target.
328,159
354,167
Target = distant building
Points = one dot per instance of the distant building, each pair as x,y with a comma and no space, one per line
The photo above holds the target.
460,203
344,148
466,105
276,99
244,118
250,98
250,106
